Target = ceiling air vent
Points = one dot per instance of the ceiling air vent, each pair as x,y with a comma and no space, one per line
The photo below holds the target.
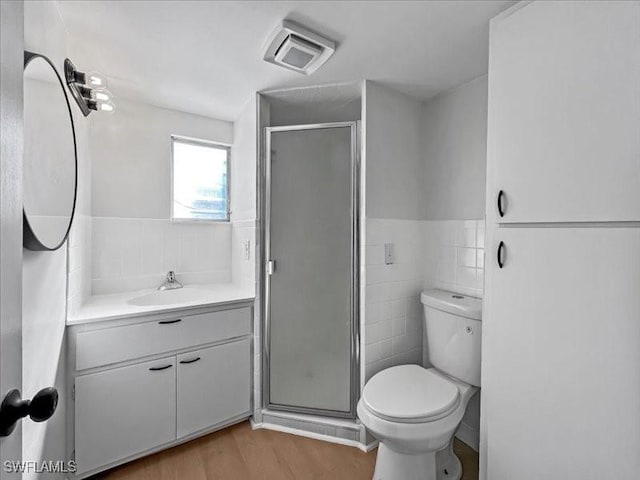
296,48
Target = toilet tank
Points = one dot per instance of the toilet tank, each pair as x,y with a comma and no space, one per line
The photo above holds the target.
454,330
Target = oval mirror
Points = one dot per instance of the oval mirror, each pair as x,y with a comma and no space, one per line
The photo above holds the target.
50,162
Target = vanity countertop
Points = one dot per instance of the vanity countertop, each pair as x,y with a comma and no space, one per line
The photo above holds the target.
145,302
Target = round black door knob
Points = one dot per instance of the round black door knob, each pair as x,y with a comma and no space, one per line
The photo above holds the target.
43,404
13,408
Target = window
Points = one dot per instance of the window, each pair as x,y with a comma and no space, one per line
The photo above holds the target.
200,180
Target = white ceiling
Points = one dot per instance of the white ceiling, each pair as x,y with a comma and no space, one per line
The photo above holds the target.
206,57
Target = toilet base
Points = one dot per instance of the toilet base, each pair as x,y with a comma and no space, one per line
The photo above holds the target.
440,465
448,464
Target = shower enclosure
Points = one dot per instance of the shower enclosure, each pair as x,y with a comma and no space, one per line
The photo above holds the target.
311,274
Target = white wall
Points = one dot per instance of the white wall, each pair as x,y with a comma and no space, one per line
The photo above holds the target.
454,146
45,273
394,160
244,164
131,157
43,349
79,244
133,241
425,174
393,170
243,197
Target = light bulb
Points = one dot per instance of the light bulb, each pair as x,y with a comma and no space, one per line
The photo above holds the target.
95,80
108,107
101,95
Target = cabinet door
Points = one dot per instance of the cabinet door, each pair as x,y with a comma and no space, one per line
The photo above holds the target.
124,411
561,354
564,113
213,386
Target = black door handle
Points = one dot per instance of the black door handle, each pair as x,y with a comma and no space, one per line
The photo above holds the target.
500,206
186,362
157,369
169,322
500,254
39,409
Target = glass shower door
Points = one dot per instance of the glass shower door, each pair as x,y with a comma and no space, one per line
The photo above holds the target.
311,299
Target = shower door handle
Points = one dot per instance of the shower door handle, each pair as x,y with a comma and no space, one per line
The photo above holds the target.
271,267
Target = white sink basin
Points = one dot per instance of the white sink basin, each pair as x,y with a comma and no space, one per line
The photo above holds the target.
168,297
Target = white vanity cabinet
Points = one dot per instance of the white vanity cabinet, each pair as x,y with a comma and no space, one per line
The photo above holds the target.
223,395
564,113
139,385
124,410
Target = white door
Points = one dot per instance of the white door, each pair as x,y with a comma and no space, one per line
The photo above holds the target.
11,52
564,113
213,386
124,411
561,354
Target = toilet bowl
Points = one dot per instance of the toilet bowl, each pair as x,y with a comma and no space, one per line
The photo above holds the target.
414,411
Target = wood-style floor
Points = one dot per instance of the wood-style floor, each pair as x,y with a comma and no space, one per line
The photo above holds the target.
239,453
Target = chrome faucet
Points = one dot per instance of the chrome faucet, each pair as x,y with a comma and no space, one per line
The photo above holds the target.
170,283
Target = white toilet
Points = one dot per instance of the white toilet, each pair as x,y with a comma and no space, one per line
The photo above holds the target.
415,411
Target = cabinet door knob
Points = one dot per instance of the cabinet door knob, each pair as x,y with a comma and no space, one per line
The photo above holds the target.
169,322
500,255
13,408
186,362
157,369
500,205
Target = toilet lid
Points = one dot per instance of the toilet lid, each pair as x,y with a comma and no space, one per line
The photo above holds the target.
409,393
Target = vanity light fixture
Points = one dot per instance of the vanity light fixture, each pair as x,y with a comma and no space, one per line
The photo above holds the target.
89,89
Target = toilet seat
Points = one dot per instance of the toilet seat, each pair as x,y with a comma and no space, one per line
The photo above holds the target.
410,394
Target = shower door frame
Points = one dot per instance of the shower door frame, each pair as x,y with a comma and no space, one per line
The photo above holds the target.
355,272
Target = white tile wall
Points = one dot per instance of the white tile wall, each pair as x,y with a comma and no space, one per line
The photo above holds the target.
454,256
243,239
79,262
257,338
393,314
454,260
136,253
243,275
429,254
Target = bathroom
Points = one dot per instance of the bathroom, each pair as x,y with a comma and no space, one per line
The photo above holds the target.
281,239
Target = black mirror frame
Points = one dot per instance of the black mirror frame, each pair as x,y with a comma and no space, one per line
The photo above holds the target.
30,240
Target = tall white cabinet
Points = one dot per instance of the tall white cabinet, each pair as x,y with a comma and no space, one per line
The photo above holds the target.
561,320
564,113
